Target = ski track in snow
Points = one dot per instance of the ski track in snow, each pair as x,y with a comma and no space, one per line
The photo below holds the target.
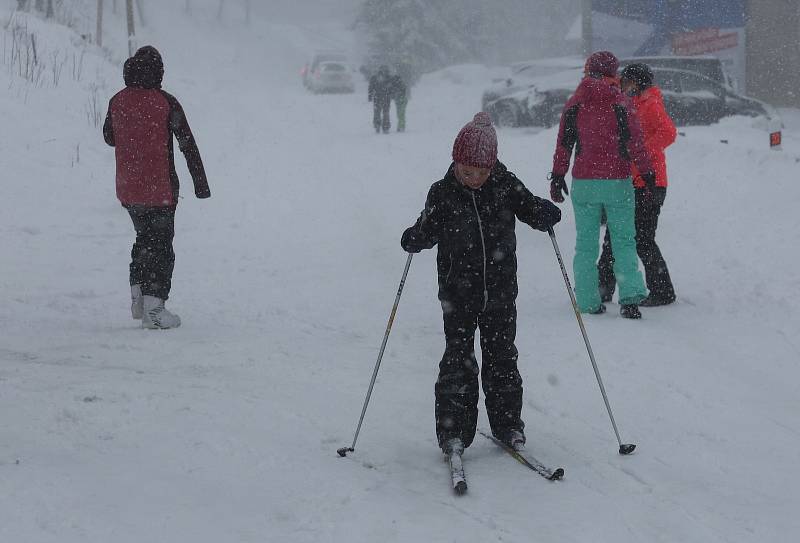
226,429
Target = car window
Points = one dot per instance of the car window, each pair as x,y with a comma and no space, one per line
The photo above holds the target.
333,68
667,81
709,67
696,85
323,57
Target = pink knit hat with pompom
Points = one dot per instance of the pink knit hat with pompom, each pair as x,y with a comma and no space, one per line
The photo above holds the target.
602,63
476,144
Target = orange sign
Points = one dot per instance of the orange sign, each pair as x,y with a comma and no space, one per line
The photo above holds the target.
703,41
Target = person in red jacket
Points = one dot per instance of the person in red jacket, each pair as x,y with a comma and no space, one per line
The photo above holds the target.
140,123
659,133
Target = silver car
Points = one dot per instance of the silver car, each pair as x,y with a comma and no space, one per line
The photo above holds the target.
331,77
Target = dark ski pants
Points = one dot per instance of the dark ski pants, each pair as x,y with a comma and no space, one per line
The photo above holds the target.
152,257
457,386
380,116
656,273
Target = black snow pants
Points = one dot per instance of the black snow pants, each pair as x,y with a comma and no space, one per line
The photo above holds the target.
457,386
656,273
380,117
152,257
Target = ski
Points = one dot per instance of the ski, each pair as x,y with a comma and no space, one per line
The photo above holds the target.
527,460
457,476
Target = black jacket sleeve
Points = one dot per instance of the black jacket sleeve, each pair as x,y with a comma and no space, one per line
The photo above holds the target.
108,128
426,231
537,212
186,142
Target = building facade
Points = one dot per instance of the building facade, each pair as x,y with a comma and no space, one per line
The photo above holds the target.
773,51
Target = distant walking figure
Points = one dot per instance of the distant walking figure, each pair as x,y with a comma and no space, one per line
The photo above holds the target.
380,94
400,97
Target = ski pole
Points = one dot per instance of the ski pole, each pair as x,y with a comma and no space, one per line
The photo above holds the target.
344,450
626,448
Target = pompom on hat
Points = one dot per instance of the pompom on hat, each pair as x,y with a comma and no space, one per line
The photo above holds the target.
602,63
476,143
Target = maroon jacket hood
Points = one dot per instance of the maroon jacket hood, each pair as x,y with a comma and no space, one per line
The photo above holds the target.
596,91
598,124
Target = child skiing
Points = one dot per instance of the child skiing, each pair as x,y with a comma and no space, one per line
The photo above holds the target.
471,215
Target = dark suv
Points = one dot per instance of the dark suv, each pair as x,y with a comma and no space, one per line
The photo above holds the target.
693,99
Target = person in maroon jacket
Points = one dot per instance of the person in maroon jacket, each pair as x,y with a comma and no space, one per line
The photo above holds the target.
598,125
140,123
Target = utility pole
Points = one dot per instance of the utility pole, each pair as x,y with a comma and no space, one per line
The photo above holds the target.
99,35
131,29
587,31
141,12
50,11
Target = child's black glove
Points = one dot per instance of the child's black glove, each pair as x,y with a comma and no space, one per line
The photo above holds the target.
547,216
414,241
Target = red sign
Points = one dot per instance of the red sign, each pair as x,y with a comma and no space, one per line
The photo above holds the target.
703,41
775,139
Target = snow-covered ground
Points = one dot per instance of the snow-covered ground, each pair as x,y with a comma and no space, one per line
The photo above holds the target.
226,428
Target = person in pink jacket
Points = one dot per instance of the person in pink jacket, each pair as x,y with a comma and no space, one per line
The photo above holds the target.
659,133
597,123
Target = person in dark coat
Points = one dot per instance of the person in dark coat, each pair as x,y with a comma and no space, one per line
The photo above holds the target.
598,124
379,93
659,133
471,216
140,124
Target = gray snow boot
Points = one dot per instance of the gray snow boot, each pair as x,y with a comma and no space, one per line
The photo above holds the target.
137,302
514,439
155,316
517,440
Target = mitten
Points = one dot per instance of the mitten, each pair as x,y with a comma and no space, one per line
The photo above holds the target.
557,186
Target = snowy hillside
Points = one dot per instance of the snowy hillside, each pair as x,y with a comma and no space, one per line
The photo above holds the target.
226,429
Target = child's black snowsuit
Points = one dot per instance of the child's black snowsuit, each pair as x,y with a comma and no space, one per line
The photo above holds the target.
477,269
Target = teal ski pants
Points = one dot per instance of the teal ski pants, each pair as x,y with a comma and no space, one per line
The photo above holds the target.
589,198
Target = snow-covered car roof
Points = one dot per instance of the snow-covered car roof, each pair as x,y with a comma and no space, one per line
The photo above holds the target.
564,80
